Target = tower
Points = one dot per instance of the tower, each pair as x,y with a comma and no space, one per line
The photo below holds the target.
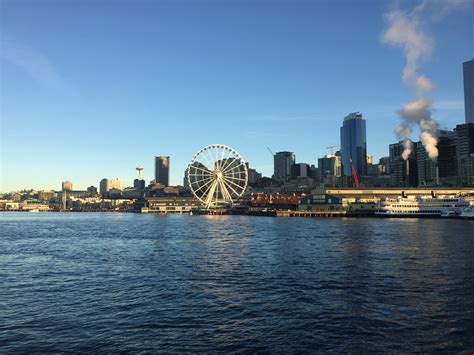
139,172
354,144
139,183
468,74
282,162
162,170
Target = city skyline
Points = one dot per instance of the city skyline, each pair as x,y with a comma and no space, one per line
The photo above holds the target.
86,120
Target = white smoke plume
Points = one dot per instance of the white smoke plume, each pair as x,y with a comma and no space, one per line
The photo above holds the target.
407,147
404,30
429,142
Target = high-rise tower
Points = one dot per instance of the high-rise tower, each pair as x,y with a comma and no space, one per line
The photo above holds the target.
162,170
468,73
354,144
282,162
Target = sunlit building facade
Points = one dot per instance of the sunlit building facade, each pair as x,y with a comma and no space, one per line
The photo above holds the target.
108,184
354,144
66,186
329,165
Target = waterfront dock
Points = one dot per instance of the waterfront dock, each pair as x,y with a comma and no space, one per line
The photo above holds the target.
311,213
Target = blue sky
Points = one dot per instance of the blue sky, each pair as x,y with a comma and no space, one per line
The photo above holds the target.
91,89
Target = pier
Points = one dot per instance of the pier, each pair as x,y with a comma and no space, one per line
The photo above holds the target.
311,213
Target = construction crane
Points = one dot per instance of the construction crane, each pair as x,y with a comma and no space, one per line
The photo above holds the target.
270,151
332,148
354,175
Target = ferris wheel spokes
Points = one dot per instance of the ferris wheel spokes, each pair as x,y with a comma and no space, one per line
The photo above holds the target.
217,176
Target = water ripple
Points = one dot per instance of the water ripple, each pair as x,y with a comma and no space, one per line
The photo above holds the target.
110,282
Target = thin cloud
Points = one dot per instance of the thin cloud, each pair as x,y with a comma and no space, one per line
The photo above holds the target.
35,64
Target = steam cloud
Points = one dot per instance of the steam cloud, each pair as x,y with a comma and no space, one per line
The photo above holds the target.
404,30
407,147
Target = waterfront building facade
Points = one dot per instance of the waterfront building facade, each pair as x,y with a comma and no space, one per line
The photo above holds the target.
354,144
171,204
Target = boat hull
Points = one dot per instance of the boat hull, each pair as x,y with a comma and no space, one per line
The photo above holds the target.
407,215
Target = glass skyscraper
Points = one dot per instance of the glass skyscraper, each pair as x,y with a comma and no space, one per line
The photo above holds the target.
468,73
282,162
354,144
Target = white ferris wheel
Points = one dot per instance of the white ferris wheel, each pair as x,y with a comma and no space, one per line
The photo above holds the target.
217,176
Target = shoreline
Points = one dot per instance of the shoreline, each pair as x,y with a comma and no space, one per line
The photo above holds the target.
278,214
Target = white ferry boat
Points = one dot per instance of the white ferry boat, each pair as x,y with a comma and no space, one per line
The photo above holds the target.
421,206
467,213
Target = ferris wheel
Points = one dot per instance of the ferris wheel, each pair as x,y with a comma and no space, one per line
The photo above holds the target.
217,176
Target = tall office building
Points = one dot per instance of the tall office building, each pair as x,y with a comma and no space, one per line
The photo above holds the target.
162,170
444,170
66,186
465,153
468,73
447,166
282,162
354,144
329,165
300,170
403,173
427,168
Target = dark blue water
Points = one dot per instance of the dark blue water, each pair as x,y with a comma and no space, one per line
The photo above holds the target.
127,282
